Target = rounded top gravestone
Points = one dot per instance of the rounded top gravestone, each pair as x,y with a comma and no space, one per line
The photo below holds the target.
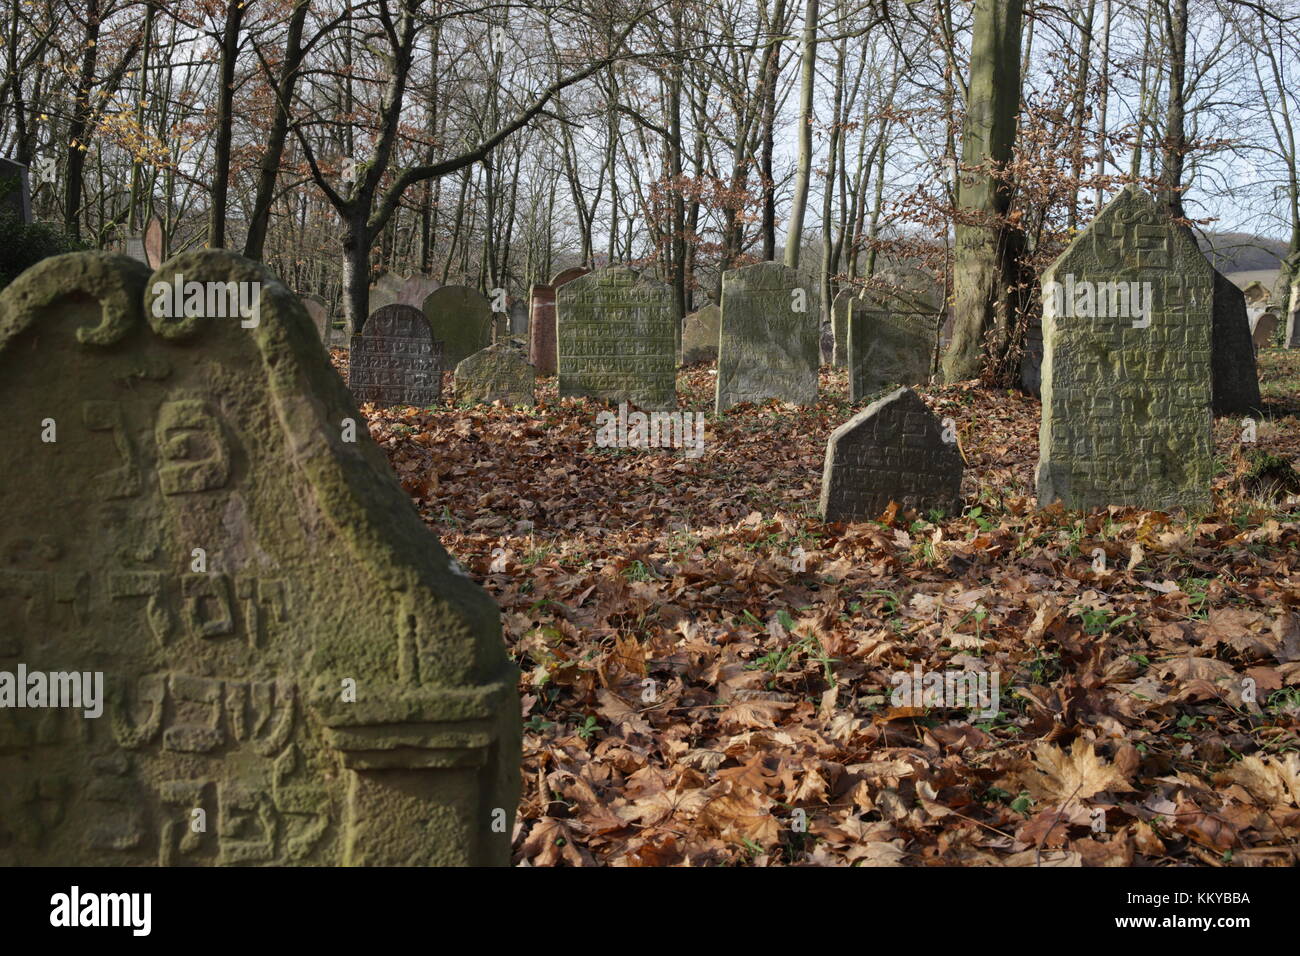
461,318
196,517
395,360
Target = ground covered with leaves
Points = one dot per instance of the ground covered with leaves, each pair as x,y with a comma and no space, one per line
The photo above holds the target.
707,667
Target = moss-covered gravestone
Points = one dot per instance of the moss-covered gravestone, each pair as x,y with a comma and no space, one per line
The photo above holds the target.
769,345
700,337
888,347
1235,382
615,339
461,318
893,450
1127,327
394,359
497,373
294,670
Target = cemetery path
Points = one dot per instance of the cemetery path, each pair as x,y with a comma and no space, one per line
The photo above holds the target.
711,675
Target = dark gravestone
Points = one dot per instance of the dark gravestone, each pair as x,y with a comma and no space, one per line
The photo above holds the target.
541,320
1031,362
887,347
893,450
461,318
769,345
1235,381
615,340
15,190
498,373
700,337
214,532
1127,326
395,360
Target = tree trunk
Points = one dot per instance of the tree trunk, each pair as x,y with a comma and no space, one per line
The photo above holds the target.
808,76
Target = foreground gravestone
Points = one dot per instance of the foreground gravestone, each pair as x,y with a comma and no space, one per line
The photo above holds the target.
194,510
497,373
770,340
1234,380
893,450
1265,330
887,347
615,340
700,337
541,320
395,360
15,190
1126,384
461,318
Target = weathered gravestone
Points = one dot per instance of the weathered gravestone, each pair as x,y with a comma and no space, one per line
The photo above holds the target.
1265,330
1127,327
15,190
1234,381
497,373
1031,362
416,289
316,310
615,340
700,337
769,344
1291,336
194,510
893,450
155,243
387,290
840,310
461,318
519,319
395,360
888,347
541,320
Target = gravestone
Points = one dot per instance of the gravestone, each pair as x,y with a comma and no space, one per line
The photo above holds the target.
461,318
519,319
700,338
416,289
840,327
207,532
614,339
497,373
541,320
1264,331
316,310
1031,362
1291,337
15,190
893,450
155,243
387,290
1234,381
395,360
888,347
769,344
1126,416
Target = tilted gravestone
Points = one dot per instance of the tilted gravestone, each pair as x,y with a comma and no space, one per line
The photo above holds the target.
1126,384
615,339
700,337
194,510
1265,330
15,190
541,320
769,345
887,347
395,360
1234,380
497,373
461,318
893,450
317,311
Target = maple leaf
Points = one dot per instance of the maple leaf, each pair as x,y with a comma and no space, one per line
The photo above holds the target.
1077,775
